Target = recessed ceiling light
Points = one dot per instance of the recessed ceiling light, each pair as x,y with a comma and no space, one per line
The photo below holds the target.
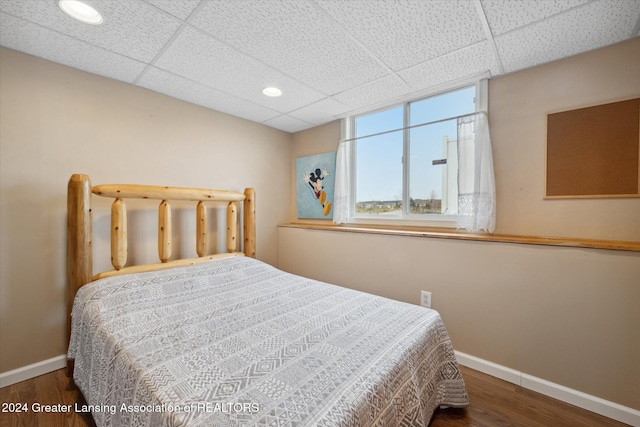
81,11
272,91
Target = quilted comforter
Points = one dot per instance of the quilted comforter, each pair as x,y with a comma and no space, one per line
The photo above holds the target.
236,342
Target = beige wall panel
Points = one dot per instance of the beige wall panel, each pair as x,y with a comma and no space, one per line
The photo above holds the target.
518,108
56,121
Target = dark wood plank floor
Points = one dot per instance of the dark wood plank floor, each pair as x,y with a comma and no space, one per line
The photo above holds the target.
494,403
49,389
497,403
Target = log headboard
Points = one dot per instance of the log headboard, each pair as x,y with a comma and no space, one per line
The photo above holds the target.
79,229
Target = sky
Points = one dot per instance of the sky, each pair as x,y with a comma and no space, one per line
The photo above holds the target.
379,158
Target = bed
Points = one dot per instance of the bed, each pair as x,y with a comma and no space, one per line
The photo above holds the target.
228,340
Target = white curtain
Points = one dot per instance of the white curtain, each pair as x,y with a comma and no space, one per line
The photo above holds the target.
476,181
341,191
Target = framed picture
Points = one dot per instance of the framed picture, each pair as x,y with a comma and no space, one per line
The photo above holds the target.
315,181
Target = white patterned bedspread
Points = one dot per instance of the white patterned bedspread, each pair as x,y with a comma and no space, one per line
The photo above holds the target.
236,342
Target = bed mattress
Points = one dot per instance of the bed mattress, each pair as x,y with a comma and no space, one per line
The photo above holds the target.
237,342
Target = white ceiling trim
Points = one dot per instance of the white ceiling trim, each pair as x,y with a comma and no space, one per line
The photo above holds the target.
488,34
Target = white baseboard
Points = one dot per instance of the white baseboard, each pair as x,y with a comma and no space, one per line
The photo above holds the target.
577,398
33,370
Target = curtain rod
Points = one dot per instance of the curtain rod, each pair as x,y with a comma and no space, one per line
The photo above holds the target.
414,126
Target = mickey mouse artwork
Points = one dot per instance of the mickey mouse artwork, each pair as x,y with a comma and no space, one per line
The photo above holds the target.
314,179
315,185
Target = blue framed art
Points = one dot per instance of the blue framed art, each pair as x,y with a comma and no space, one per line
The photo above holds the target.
315,182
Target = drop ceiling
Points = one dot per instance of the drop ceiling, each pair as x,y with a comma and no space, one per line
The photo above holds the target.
330,58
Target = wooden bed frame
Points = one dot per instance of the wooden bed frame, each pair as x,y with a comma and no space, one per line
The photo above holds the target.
79,230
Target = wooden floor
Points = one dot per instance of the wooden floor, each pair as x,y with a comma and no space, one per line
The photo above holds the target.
494,403
497,403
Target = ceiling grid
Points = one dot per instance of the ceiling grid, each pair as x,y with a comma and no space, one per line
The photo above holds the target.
329,57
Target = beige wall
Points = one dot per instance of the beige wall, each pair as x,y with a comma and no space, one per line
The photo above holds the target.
518,105
56,121
569,316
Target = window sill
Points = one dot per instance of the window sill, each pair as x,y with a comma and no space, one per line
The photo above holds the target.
617,245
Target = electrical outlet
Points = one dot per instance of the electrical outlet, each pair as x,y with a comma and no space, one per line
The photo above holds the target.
425,299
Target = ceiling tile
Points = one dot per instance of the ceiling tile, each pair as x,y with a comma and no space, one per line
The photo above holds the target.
467,62
404,33
329,57
505,16
288,124
585,28
371,94
320,112
180,9
132,28
224,68
17,34
187,90
293,36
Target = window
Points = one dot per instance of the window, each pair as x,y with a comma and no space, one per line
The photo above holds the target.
404,160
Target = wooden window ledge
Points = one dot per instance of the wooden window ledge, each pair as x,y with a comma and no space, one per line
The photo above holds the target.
617,245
